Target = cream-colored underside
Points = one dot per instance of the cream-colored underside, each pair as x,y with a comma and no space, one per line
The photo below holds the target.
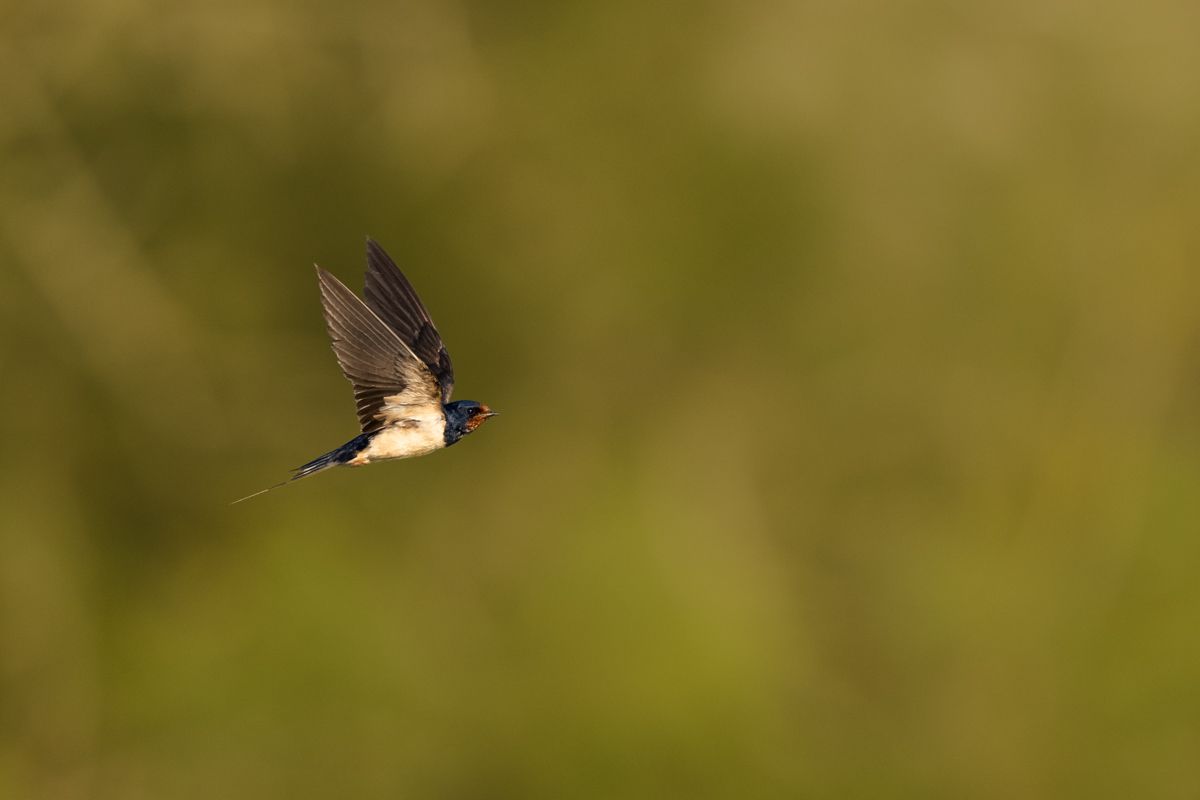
413,431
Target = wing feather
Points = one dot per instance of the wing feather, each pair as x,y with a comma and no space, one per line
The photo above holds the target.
382,368
393,299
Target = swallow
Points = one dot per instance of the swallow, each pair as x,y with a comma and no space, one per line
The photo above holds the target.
392,354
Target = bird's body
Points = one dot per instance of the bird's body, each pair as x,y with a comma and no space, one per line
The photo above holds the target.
390,351
417,435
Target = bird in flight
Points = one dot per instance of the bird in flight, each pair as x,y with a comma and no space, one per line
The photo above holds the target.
391,352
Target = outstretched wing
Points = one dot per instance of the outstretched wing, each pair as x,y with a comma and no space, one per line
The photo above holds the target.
392,297
388,378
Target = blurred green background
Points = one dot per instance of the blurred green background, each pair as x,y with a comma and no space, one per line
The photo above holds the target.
849,357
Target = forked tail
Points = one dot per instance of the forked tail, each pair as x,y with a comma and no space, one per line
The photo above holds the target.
333,458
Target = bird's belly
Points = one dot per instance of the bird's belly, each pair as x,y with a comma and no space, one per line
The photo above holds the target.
405,439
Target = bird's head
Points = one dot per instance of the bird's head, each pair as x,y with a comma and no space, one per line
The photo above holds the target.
465,416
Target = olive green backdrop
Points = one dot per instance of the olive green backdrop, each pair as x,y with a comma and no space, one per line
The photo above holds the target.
849,362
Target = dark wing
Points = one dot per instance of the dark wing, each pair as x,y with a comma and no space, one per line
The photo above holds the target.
386,375
392,297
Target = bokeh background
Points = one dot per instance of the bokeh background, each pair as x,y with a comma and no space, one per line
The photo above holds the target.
849,361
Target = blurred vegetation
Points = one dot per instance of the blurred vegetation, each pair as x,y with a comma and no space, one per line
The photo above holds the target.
848,356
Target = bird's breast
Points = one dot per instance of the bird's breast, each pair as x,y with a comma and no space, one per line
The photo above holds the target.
406,437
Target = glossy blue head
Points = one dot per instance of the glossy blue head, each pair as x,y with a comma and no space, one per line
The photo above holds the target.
463,417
